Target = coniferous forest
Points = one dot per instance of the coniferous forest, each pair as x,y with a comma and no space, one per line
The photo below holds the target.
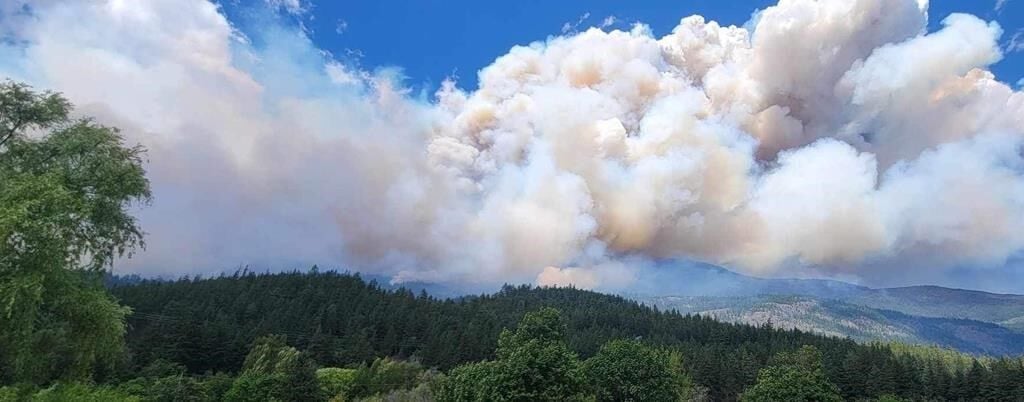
208,327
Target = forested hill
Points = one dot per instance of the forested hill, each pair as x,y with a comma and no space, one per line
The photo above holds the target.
208,325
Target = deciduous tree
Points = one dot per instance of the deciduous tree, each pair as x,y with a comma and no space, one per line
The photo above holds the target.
66,186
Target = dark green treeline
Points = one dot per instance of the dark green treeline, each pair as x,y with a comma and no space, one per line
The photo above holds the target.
208,325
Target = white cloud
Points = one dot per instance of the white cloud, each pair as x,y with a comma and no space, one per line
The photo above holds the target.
1000,4
1016,42
608,21
341,27
340,74
572,26
294,7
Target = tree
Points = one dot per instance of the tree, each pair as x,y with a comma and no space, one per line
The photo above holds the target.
250,387
468,382
384,375
65,192
274,370
624,370
533,364
795,377
335,381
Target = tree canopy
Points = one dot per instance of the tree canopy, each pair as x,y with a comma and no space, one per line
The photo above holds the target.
66,186
628,370
533,364
796,376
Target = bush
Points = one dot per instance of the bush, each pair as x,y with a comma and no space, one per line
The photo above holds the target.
254,388
177,388
16,393
382,376
335,381
82,393
421,393
215,386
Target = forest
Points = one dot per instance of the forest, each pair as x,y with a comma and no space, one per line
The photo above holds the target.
70,332
356,340
339,320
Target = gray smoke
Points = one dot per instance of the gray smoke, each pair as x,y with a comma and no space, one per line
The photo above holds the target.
836,138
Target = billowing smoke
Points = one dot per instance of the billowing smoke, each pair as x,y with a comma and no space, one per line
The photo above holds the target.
836,138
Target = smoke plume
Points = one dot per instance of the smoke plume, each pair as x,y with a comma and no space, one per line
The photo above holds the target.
835,138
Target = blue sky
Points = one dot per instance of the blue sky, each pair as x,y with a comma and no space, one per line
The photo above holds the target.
433,39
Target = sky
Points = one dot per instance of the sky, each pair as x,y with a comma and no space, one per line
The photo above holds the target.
436,39
556,143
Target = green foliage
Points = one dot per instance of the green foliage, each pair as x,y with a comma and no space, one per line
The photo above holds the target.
426,384
953,359
167,381
277,371
796,377
421,393
161,368
216,386
64,200
17,392
891,398
269,355
178,388
626,370
384,375
533,364
336,381
343,321
468,382
77,392
252,387
21,108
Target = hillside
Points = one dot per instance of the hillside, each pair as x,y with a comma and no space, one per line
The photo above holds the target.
936,301
845,319
968,321
687,278
208,325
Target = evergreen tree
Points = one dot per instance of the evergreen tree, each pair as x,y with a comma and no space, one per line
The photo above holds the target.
208,325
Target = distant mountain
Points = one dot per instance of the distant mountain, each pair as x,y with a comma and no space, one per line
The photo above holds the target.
684,278
935,301
688,278
838,318
968,320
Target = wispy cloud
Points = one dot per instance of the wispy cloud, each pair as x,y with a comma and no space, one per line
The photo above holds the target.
608,21
572,26
1016,42
341,26
294,7
1000,4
